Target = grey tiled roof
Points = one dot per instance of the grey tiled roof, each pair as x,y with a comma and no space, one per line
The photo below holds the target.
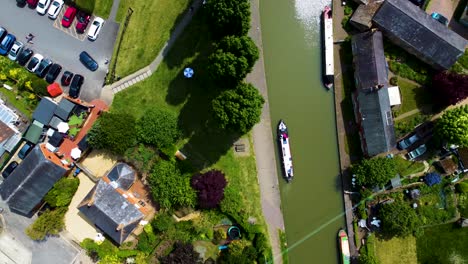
415,31
45,110
64,109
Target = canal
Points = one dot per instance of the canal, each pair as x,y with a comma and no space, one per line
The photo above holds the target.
312,204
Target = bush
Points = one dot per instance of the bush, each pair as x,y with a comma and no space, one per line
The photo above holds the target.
49,223
162,222
404,70
348,10
106,251
158,127
147,240
62,192
462,187
218,236
394,80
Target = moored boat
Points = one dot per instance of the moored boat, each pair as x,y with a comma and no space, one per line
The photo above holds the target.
344,246
328,67
283,137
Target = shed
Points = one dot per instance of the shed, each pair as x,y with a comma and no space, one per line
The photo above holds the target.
409,27
447,165
30,181
34,132
64,109
56,139
362,17
394,95
45,110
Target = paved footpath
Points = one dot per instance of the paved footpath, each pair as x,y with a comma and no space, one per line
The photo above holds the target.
263,145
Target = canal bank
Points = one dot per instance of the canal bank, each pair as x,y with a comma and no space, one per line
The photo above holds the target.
313,203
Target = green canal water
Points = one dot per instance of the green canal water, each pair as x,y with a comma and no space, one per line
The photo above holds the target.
312,204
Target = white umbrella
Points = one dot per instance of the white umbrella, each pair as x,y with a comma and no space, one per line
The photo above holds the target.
63,127
188,72
75,153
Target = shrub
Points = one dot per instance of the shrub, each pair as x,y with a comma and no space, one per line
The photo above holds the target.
394,80
49,223
147,240
162,222
62,192
218,236
348,10
158,127
462,187
39,86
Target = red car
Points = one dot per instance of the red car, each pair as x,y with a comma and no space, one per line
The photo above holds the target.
32,3
83,21
68,17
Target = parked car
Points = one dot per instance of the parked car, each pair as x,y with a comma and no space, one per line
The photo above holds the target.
75,86
68,17
3,33
9,169
417,152
83,21
6,44
95,28
443,20
54,71
66,78
407,142
21,3
42,6
43,67
34,62
88,61
15,50
24,56
24,151
32,3
55,8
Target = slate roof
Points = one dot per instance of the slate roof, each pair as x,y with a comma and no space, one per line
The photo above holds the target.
64,109
110,211
415,31
34,132
45,110
29,182
56,139
123,175
54,122
372,101
362,16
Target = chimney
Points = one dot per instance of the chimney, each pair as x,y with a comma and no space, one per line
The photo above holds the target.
91,201
119,227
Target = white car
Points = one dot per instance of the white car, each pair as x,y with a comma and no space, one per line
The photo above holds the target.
95,28
34,62
42,6
55,8
15,50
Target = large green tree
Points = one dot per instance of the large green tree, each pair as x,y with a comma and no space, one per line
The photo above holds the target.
238,109
115,132
228,17
374,172
453,126
398,219
158,127
62,192
169,187
233,59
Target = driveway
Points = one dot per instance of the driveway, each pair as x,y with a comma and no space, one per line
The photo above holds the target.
53,41
17,247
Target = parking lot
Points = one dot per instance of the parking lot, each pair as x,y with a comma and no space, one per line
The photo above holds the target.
62,45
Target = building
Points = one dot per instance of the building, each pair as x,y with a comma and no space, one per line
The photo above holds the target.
111,206
371,99
415,31
10,135
45,110
27,185
464,17
362,17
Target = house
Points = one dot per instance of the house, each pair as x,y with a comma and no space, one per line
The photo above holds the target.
45,110
10,136
30,181
362,16
371,99
415,31
111,206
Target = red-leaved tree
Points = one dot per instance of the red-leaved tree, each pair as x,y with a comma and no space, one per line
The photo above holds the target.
450,88
210,188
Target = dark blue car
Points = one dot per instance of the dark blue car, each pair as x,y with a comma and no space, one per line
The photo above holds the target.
88,61
7,43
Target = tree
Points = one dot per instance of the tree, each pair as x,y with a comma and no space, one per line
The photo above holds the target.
233,59
239,109
182,253
453,126
228,17
62,192
374,172
158,127
49,223
169,187
398,219
114,132
239,251
450,88
210,188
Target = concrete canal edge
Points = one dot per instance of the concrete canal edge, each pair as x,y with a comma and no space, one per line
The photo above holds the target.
263,145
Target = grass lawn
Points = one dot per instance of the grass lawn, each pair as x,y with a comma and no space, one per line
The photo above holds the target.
204,144
407,167
407,124
443,244
413,96
99,8
149,28
21,104
396,250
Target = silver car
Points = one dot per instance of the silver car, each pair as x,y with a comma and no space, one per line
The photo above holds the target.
15,50
417,152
